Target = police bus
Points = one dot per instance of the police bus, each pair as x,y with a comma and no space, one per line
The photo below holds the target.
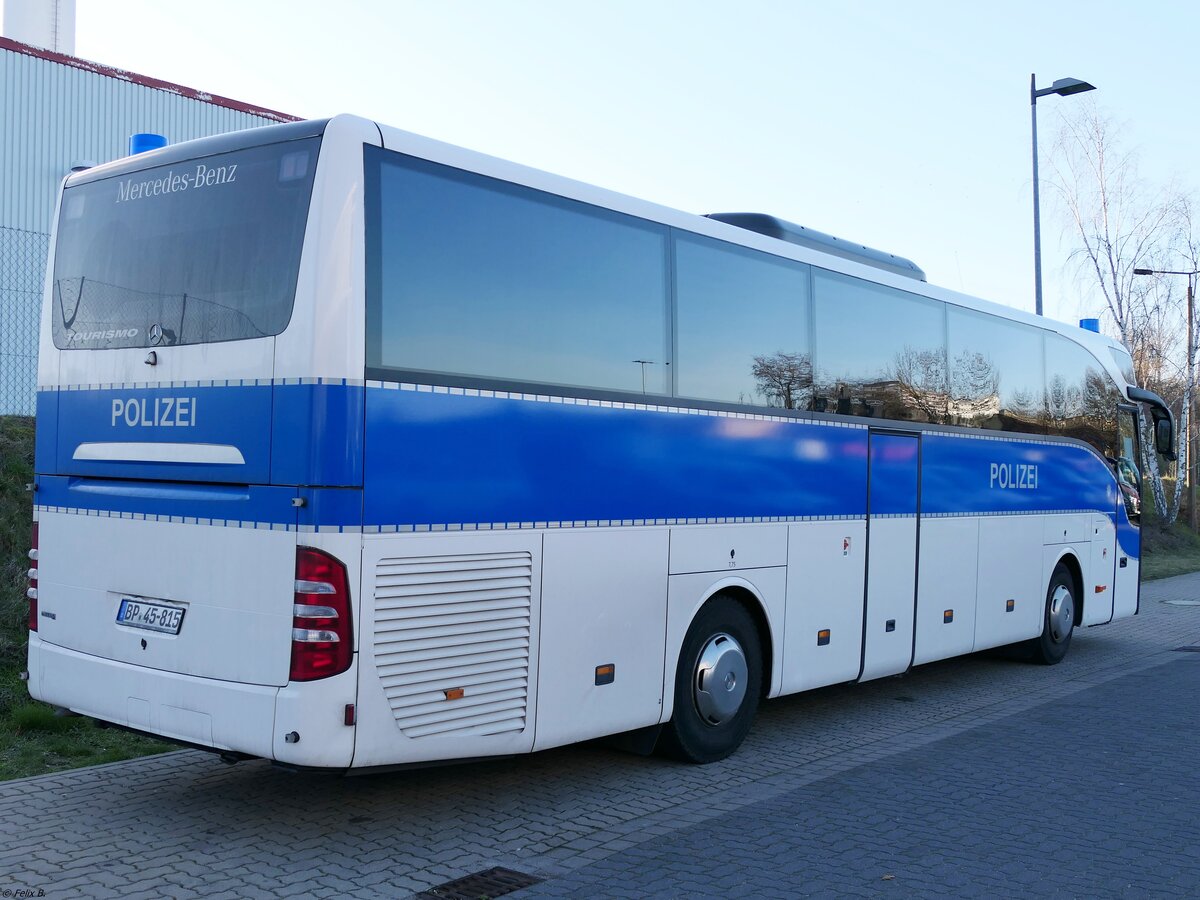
356,449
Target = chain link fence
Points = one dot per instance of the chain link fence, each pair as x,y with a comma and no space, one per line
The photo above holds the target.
22,270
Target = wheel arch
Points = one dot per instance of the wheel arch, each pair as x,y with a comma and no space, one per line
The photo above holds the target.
1070,561
749,596
753,603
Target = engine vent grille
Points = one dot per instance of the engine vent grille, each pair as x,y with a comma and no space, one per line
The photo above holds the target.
452,642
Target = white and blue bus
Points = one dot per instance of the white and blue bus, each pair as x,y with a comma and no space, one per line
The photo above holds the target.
355,449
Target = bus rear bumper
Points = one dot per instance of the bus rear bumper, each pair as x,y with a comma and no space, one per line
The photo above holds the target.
222,715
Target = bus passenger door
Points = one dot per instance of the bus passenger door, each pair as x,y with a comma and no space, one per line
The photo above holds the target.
892,516
1126,583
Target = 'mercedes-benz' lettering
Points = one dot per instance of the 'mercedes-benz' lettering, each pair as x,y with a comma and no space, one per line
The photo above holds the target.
174,182
1014,476
159,412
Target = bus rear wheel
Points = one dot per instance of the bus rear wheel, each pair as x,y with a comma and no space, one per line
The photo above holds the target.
1058,619
718,684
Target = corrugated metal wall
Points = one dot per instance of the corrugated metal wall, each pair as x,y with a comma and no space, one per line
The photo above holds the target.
51,116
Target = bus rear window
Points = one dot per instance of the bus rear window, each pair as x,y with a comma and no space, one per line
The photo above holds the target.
193,252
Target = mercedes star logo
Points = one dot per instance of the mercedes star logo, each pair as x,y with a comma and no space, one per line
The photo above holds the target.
156,335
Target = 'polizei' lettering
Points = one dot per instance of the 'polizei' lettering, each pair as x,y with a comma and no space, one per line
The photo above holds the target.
1013,476
161,412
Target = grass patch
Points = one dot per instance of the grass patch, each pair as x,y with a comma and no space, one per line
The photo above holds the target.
1168,549
33,740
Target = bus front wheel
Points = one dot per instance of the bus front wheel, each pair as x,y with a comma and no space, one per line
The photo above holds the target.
718,684
1058,618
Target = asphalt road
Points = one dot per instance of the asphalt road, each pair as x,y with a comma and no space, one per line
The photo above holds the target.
969,777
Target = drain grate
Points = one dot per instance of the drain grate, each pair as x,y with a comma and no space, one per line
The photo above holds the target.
1195,649
481,886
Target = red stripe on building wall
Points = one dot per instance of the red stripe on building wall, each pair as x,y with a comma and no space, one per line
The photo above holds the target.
145,81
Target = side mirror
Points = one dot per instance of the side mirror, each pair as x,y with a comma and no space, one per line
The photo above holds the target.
1164,422
1164,437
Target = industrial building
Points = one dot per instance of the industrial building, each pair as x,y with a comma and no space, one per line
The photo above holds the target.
59,113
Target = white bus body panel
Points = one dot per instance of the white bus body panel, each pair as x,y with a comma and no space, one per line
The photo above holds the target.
603,603
825,573
1010,547
325,337
223,714
891,595
947,579
235,585
442,614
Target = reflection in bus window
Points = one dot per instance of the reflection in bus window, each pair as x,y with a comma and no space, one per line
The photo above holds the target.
742,325
880,352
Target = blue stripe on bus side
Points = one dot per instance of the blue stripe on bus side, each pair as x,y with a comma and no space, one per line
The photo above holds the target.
964,474
447,458
45,444
434,458
317,434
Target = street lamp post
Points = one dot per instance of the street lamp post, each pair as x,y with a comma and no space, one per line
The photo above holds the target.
1193,518
644,363
1063,87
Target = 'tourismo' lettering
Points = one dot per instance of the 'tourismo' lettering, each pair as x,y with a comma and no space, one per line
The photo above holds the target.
161,412
109,334
1014,476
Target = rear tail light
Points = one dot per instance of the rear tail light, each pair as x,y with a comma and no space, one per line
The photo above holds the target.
322,633
31,592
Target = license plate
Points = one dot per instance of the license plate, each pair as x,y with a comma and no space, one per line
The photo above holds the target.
151,616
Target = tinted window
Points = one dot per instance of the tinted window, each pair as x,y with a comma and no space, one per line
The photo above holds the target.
473,276
207,250
742,325
879,351
1081,400
996,372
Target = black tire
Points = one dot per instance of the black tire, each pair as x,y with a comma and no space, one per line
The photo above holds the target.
691,735
1058,624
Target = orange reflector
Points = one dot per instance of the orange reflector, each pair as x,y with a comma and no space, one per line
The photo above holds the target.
1101,588
948,616
453,693
1009,605
606,674
823,637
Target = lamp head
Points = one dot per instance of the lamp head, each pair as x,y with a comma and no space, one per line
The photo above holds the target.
1065,86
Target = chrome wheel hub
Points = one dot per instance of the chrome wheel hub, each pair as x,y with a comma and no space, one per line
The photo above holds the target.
1062,614
719,682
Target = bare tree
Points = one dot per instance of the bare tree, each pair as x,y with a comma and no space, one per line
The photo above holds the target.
920,376
1121,224
783,378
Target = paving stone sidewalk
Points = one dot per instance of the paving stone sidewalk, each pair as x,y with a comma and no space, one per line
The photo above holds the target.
940,778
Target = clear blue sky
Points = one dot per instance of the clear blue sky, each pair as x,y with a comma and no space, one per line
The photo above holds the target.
902,126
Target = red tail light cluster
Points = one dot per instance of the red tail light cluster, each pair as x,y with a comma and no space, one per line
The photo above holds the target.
31,593
322,634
